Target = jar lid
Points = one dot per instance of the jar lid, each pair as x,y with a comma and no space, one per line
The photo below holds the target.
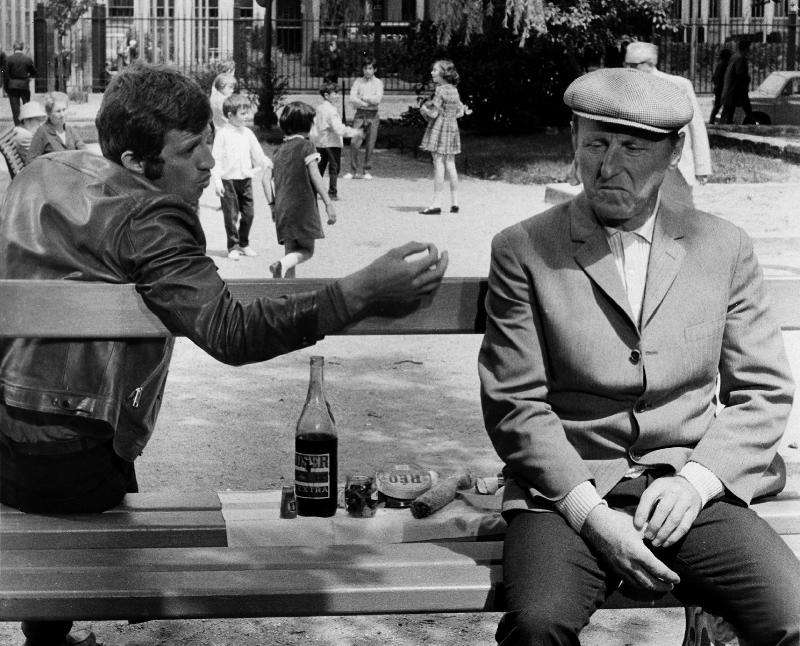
404,481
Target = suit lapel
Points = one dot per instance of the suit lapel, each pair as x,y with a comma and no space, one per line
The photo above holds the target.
666,256
594,255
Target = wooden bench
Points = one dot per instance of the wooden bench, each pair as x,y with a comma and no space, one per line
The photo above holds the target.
165,556
10,153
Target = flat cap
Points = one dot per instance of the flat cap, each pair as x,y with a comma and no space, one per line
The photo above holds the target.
630,97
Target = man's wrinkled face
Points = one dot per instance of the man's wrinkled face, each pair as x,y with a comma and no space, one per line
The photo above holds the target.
622,169
187,163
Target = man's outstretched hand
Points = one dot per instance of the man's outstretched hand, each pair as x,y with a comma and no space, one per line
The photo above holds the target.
613,534
394,279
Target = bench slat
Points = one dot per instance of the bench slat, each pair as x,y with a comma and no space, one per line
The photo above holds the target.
160,501
262,582
99,310
133,529
214,582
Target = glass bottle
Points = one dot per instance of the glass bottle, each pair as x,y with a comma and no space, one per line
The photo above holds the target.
316,451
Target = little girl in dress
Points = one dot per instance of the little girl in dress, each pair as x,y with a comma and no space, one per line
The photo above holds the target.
441,138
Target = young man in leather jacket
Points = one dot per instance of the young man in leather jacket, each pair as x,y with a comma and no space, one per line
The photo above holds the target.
74,415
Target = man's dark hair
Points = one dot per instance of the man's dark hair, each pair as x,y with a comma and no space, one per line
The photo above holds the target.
296,118
369,60
234,103
743,45
141,105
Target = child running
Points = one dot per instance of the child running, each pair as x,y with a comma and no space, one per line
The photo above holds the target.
297,184
330,131
237,157
441,137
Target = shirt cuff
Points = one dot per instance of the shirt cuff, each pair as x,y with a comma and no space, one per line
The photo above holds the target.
577,504
701,478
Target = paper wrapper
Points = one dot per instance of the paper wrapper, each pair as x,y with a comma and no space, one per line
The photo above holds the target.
441,493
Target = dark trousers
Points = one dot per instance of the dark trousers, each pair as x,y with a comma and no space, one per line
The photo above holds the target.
368,121
330,158
237,199
16,98
92,480
729,110
731,562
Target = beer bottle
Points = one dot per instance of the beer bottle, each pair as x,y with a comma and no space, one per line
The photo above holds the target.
316,451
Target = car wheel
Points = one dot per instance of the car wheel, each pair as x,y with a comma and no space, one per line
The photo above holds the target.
757,119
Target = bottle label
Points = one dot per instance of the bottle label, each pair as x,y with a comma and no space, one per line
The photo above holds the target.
312,475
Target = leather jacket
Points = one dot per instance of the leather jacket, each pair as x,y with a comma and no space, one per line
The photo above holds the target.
78,216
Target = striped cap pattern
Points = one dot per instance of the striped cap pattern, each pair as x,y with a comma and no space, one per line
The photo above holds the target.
629,97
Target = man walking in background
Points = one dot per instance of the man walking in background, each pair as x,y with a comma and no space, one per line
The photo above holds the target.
695,164
735,91
19,71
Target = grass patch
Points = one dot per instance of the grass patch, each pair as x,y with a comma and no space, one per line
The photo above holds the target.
541,159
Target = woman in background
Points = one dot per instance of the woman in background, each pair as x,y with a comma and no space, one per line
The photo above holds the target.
54,134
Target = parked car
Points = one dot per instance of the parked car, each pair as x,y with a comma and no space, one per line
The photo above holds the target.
777,100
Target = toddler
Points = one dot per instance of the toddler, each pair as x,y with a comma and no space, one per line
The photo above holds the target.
329,132
237,158
297,184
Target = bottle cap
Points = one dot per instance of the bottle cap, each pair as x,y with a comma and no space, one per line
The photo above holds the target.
403,481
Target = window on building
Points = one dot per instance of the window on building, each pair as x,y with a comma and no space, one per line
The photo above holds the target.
676,10
736,8
781,8
757,8
713,9
120,8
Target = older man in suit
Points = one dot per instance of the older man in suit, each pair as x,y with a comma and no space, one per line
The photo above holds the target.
635,384
695,164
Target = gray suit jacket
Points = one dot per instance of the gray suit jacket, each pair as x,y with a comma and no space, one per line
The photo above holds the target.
572,389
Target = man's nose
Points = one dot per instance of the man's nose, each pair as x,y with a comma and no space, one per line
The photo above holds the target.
206,159
612,161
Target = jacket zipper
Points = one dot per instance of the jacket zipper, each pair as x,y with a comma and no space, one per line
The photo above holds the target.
136,395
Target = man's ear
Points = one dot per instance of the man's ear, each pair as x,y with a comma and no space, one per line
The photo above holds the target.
677,150
131,163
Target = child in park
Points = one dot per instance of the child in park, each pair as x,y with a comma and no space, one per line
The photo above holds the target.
441,137
223,87
237,157
297,184
329,132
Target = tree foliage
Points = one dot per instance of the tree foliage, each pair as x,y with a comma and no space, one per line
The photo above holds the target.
575,23
65,13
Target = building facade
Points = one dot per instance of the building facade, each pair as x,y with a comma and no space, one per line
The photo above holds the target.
16,23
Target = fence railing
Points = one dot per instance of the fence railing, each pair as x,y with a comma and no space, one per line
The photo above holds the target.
303,51
306,51
694,50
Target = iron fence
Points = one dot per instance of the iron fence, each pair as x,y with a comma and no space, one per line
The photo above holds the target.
303,51
306,51
693,51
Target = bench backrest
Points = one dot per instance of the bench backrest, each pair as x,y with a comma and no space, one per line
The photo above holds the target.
10,153
101,310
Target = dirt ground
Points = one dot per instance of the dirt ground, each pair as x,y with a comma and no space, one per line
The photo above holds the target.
395,398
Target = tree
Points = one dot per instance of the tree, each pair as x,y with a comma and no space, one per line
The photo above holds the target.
576,23
65,13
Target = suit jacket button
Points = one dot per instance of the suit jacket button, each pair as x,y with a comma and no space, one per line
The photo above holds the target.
635,356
